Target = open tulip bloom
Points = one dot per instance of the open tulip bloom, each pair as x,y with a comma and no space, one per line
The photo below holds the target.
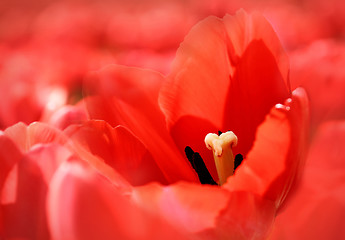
160,157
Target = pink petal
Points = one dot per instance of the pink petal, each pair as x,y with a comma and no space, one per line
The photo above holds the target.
277,156
18,134
190,207
9,155
128,96
27,136
209,212
85,205
246,216
24,194
40,133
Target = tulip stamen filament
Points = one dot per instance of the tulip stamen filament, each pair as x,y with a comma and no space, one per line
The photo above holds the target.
222,153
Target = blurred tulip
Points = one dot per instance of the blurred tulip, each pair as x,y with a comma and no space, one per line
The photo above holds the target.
319,69
317,206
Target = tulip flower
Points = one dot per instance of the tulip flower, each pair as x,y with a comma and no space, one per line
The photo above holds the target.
229,74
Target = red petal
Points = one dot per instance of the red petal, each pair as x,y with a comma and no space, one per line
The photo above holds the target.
196,76
278,152
95,210
128,96
257,85
119,149
24,193
244,28
209,212
317,208
227,75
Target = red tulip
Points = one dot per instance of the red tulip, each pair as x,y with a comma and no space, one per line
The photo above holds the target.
229,74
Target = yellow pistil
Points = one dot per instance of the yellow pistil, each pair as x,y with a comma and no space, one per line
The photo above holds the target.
222,153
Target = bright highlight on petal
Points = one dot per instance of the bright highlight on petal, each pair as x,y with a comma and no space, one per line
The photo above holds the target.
222,153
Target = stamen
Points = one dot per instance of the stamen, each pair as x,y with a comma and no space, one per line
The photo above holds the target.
238,160
222,153
189,154
199,166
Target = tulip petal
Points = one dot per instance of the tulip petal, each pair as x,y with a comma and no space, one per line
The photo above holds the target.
255,88
197,78
96,210
244,28
9,155
128,96
317,208
119,149
209,212
246,216
277,156
227,75
17,133
24,194
27,136
39,133
189,206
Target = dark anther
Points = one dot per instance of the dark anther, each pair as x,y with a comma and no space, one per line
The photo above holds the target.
219,133
238,160
189,153
199,166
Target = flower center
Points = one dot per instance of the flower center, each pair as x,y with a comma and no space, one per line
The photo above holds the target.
222,153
